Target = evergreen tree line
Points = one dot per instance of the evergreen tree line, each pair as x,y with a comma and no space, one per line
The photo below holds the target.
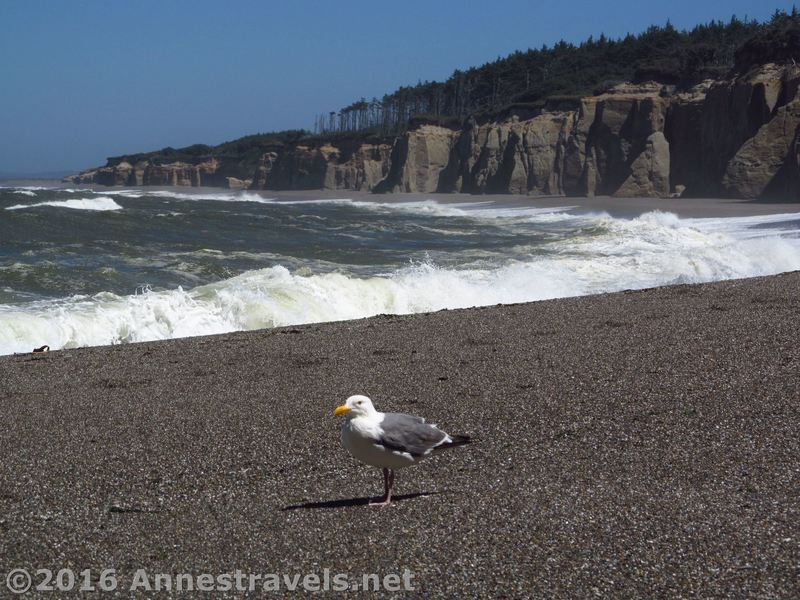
661,53
529,78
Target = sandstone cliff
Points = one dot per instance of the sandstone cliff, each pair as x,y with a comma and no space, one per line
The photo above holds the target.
209,173
348,166
731,138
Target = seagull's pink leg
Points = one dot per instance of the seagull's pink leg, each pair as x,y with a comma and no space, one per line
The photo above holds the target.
388,482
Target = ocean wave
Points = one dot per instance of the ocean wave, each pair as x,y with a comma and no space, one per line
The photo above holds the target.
122,193
24,193
240,196
101,203
478,210
783,224
654,249
473,210
422,207
25,187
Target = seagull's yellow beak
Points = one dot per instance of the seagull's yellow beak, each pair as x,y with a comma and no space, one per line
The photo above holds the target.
341,410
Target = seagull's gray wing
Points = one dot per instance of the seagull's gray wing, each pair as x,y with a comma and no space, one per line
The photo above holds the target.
407,433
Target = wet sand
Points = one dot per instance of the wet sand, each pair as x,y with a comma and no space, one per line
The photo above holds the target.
637,444
683,207
617,207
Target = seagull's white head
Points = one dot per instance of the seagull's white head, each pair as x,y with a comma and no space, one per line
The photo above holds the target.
356,406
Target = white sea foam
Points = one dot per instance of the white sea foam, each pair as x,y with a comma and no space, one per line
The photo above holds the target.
101,203
482,209
24,192
217,197
475,210
24,187
753,226
423,207
123,193
654,249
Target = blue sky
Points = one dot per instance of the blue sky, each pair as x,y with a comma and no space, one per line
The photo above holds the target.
83,80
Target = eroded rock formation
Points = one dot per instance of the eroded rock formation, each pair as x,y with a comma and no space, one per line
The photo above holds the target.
209,173
734,138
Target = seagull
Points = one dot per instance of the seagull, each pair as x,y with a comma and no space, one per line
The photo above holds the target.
389,440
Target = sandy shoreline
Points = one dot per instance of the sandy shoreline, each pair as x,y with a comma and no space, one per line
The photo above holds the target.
633,444
616,207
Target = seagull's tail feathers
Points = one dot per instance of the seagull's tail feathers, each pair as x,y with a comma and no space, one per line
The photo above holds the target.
455,440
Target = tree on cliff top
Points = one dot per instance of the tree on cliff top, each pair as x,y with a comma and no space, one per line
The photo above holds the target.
777,41
548,77
660,53
245,151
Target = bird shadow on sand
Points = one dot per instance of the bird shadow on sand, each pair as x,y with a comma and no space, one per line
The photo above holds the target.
345,502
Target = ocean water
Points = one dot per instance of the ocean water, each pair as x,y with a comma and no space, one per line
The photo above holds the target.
83,267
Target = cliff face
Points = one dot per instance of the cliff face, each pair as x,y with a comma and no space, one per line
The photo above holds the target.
747,135
732,138
209,173
353,166
518,157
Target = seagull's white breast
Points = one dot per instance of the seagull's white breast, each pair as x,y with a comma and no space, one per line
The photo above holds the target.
358,437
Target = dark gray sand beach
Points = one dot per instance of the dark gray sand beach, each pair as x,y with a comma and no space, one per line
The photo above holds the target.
688,207
629,445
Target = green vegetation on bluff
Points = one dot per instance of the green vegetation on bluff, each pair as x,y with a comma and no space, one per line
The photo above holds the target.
565,72
549,77
247,150
777,41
